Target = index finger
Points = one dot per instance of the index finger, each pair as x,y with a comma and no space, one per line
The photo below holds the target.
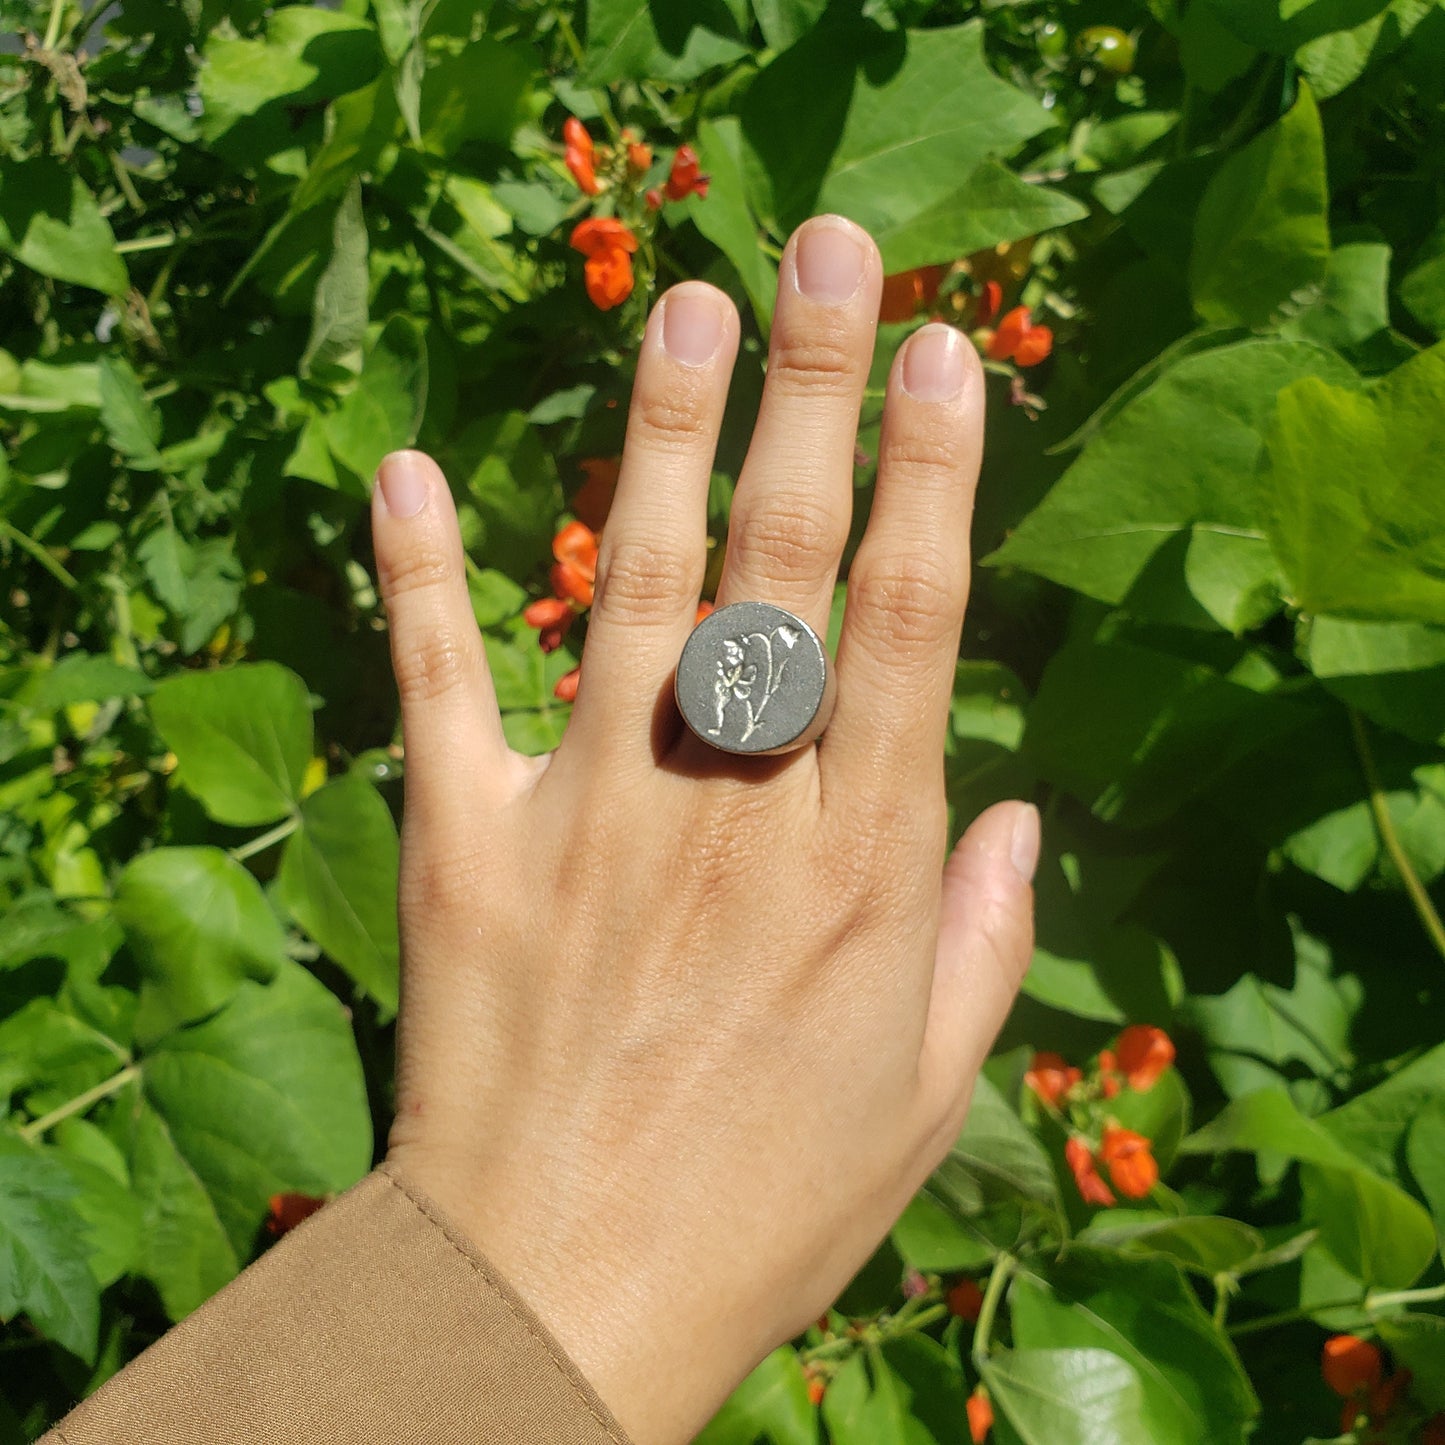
908,585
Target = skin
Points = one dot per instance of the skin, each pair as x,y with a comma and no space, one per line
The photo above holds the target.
682,1033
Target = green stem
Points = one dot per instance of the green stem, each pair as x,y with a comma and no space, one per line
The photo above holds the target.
998,1282
1221,1301
52,30
1390,839
1372,1303
80,1103
41,554
262,841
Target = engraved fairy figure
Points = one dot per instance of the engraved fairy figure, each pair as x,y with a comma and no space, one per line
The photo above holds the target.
737,675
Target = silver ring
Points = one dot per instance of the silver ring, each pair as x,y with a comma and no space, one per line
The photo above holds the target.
755,679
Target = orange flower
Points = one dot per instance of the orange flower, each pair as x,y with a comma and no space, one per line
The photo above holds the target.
980,1416
639,154
703,608
1109,1082
1050,1077
1144,1054
594,500
285,1211
566,689
1132,1166
1434,1431
906,293
573,577
1017,339
990,298
816,1390
1080,1159
653,197
965,1300
684,179
581,156
552,616
608,246
1350,1365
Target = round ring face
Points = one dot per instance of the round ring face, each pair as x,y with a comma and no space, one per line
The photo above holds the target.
753,678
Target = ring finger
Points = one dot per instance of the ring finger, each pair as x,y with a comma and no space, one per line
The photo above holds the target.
793,504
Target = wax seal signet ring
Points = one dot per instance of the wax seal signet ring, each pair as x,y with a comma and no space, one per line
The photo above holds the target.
753,678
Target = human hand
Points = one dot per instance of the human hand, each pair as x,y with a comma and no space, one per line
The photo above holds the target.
682,1033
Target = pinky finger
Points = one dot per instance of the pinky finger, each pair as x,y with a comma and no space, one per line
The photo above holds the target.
985,942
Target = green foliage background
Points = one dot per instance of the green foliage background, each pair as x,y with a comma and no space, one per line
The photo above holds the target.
247,250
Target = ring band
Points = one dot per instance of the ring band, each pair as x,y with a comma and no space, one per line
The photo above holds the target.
754,678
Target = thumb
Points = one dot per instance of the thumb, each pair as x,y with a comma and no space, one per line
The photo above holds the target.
985,942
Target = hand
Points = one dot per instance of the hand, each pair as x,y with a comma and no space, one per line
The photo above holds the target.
681,1033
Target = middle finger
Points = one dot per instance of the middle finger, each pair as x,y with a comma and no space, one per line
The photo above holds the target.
794,499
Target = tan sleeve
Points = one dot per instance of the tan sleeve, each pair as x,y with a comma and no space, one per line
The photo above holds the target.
375,1321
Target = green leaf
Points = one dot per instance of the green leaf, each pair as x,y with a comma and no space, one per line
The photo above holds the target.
43,1045
1068,1397
991,208
264,1098
897,123
1134,733
784,22
110,1214
1204,1244
725,217
1336,60
339,312
383,411
910,1392
1284,26
1167,465
1193,1387
669,40
476,95
51,223
1423,289
930,1236
1361,475
199,925
1425,1153
241,736
1262,232
1393,672
771,1405
43,1270
514,491
132,423
81,677
1371,1227
998,1153
338,879
1372,1126
252,91
1354,302
1417,1343
184,1249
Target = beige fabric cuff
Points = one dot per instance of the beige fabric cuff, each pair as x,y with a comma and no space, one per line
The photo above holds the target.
374,1321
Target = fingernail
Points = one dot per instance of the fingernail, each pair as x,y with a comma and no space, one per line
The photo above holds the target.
933,363
403,483
692,324
829,262
1027,840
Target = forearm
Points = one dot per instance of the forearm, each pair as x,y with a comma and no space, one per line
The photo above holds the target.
376,1320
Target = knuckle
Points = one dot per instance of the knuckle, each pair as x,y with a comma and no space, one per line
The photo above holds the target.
912,601
786,537
817,364
637,581
933,455
415,569
430,665
668,419
438,886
